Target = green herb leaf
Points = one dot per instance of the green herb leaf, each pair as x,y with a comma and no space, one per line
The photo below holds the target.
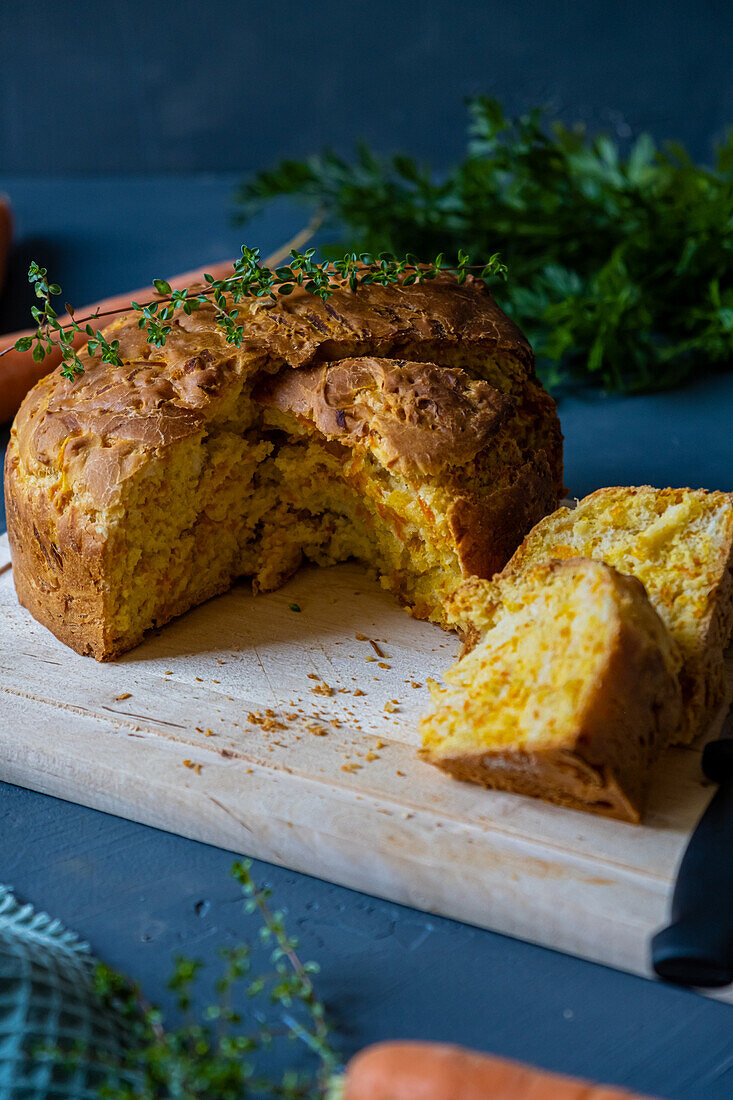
219,1051
620,262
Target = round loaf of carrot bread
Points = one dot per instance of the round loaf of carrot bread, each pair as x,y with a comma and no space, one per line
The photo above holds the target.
402,426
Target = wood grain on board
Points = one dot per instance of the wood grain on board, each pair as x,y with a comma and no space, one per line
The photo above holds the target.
290,736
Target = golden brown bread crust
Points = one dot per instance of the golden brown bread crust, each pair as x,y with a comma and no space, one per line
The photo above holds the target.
75,445
702,676
509,508
425,419
60,578
417,417
161,394
630,717
536,426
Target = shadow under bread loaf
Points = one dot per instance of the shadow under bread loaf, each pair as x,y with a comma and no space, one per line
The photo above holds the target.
402,426
679,543
569,694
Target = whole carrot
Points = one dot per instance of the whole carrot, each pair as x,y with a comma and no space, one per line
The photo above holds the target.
18,372
437,1071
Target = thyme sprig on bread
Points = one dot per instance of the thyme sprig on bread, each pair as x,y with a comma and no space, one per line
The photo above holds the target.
250,279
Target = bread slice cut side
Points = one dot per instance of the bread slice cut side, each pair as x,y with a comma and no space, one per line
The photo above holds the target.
679,543
569,696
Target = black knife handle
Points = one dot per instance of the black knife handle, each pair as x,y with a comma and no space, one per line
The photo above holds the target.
696,948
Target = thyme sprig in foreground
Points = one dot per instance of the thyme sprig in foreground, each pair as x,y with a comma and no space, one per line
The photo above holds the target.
217,1054
250,279
621,262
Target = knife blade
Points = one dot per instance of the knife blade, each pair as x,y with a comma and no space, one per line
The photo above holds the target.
696,948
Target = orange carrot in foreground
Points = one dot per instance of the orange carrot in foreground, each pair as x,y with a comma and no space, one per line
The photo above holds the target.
18,372
436,1071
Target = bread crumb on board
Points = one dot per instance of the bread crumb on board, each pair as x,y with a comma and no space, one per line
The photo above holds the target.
266,721
322,688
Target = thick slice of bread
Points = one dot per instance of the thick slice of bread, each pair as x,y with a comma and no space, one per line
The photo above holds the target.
679,543
570,694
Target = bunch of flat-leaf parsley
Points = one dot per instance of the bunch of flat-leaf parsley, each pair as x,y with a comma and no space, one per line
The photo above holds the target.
620,264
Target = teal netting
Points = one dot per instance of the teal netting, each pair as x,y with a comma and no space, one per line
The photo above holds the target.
48,1004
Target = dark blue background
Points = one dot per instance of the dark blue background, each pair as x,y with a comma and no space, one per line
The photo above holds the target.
211,85
158,109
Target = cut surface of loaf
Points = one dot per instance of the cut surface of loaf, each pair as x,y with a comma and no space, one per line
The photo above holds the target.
569,695
679,543
402,426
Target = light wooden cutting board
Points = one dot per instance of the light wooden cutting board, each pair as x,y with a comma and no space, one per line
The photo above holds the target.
176,735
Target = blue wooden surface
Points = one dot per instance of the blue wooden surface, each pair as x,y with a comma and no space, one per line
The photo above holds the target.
140,895
237,84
